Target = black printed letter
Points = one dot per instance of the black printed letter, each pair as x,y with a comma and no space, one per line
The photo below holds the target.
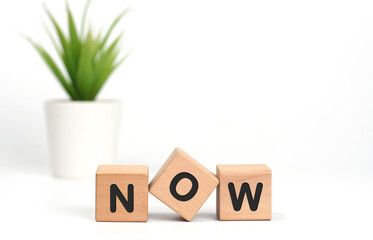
192,191
245,188
115,192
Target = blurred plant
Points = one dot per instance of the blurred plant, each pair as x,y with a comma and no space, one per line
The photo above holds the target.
87,58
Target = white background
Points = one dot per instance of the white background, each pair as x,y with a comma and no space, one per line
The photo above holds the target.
286,83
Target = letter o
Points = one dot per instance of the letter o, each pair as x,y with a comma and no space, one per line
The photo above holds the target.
191,192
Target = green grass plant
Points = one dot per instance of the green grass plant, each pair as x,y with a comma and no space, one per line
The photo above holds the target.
88,59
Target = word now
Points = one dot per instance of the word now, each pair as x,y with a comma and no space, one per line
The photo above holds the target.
184,185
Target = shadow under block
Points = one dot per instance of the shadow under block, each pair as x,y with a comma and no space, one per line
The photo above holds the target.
183,184
122,193
244,192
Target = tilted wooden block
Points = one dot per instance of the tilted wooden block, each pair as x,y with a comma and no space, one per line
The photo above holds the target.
244,192
183,184
122,193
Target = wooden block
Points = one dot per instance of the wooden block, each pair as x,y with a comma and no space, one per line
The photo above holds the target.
183,184
122,193
244,192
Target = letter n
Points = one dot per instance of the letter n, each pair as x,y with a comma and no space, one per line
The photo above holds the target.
127,203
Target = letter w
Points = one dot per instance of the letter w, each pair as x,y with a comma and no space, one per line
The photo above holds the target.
245,188
115,192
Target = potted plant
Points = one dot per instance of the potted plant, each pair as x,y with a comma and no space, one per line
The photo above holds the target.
82,130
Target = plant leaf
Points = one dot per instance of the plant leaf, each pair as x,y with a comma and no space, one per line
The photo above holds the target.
75,47
66,53
54,69
84,18
86,70
104,66
112,26
58,49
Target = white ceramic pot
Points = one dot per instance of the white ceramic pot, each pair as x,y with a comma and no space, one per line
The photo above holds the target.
82,135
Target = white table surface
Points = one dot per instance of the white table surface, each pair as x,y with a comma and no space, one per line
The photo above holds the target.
307,204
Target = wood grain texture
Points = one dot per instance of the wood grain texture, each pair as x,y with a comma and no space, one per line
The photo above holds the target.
122,176
239,174
179,162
